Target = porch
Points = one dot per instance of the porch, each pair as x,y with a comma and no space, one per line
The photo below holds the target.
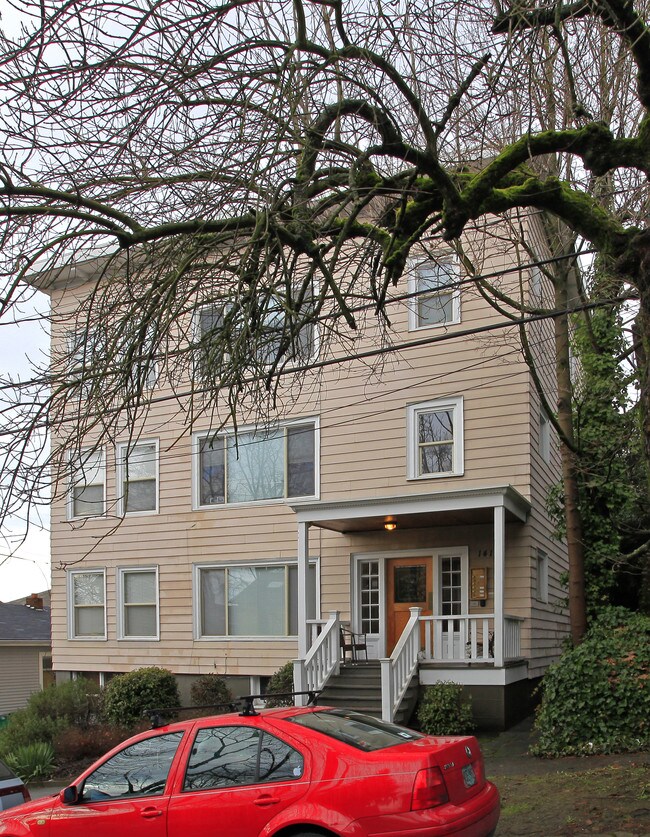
445,643
443,636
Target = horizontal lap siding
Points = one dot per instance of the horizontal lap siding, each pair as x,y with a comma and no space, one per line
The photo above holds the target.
362,455
20,676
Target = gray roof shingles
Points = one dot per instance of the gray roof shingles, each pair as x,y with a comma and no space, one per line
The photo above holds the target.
19,623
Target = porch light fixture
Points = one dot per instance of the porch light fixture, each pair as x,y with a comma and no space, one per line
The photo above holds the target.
390,525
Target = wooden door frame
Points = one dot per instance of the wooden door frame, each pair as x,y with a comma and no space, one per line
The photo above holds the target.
383,557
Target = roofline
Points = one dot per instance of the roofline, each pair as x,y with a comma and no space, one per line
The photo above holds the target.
443,501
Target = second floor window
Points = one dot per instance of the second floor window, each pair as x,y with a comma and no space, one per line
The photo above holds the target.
88,485
138,477
437,299
257,465
435,438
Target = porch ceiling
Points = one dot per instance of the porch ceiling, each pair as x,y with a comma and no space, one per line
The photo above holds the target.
417,511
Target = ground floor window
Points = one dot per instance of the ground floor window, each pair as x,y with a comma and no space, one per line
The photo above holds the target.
251,600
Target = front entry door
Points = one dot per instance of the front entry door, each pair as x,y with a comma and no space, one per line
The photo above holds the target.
409,583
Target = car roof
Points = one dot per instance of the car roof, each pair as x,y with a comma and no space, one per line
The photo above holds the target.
6,772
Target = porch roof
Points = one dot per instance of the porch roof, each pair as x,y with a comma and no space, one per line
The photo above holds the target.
415,511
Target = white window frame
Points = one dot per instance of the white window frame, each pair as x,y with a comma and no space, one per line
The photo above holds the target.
198,438
197,604
75,468
541,576
455,405
461,552
71,574
120,461
414,295
223,307
544,435
122,572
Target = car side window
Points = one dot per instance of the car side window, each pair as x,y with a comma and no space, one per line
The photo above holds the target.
138,770
223,757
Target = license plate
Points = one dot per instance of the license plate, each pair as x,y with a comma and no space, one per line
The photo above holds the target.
469,777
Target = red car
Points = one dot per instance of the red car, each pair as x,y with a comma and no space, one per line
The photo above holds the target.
299,772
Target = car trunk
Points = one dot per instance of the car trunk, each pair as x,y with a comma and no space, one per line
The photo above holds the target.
461,764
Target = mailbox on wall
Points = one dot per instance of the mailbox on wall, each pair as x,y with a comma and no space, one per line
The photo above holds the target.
478,584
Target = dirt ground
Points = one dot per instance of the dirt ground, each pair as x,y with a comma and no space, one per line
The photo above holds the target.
611,799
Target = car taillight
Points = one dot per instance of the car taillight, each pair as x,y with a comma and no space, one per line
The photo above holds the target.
429,789
26,795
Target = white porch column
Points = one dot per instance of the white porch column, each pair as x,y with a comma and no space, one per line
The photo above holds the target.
303,564
499,566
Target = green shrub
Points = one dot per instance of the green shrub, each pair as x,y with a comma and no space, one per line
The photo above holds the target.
210,690
443,710
281,681
76,701
596,699
26,727
33,761
128,697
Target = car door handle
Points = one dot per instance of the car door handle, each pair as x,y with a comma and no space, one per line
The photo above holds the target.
150,813
264,801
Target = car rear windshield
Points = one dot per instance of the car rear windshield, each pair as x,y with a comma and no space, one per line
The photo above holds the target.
360,731
5,773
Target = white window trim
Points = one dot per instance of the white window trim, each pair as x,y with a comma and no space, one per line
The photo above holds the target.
121,621
70,515
225,305
119,460
412,459
461,552
544,436
71,606
225,565
541,576
198,437
412,285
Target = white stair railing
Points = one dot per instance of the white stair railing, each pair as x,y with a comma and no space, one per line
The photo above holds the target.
396,672
321,662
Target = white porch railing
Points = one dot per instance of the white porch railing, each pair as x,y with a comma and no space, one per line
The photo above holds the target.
469,638
322,660
396,672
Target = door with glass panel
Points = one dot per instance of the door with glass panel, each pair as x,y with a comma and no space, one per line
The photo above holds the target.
409,583
451,601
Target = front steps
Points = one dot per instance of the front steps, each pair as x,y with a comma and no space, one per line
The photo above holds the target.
358,687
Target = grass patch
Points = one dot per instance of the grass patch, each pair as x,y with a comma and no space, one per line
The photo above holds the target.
611,798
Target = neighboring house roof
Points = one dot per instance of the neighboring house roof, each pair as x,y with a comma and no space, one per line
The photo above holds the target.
19,623
44,595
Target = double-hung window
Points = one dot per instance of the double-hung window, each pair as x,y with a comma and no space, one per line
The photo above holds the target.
541,581
250,600
435,438
83,360
87,604
218,324
138,601
257,465
434,286
137,471
88,484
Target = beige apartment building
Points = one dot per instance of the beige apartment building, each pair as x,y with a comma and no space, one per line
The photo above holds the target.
403,499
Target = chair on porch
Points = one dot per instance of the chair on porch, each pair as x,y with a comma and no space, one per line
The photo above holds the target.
352,643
